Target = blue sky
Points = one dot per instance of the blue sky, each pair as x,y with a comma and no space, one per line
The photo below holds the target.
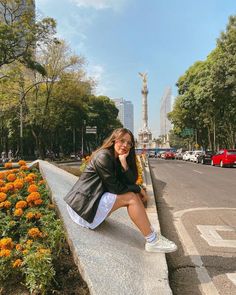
120,38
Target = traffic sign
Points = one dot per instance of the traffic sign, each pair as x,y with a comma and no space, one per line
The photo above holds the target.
91,129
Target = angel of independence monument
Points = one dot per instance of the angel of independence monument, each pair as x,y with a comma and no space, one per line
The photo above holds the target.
144,134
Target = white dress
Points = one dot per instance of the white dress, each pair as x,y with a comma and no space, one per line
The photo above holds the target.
104,207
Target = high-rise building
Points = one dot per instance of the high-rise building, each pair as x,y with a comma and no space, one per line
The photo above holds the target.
126,112
165,124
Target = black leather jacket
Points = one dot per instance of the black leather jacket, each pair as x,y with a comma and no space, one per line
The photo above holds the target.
103,174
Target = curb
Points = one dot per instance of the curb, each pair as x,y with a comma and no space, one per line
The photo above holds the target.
111,259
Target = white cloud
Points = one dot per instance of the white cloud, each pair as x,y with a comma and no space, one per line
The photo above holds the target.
97,73
101,4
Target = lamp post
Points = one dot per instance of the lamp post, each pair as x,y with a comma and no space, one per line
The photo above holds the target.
21,98
82,147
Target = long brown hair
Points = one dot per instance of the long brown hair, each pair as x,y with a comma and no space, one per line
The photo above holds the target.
109,142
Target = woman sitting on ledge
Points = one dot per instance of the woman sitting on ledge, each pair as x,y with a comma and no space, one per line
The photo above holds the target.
109,183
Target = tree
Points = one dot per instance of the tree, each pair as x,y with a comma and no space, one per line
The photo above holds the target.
20,34
57,60
207,95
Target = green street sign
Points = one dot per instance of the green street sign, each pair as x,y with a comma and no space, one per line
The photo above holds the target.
187,132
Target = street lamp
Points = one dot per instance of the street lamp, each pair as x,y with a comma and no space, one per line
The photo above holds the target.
82,147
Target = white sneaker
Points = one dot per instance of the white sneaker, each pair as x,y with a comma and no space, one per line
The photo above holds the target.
161,245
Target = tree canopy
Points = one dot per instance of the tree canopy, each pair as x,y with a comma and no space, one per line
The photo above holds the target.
207,96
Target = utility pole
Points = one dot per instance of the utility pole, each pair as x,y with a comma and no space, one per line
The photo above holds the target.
214,135
74,143
82,147
21,117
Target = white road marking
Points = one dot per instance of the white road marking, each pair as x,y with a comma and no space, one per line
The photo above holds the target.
198,171
207,286
232,277
210,235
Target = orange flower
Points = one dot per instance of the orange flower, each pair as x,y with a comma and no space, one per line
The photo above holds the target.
9,186
5,253
28,179
21,204
8,165
44,251
24,168
17,263
18,212
33,196
21,174
29,215
18,184
38,202
32,175
34,232
2,175
41,182
38,215
3,189
11,177
6,243
22,163
29,242
25,251
18,247
32,188
2,182
3,197
7,204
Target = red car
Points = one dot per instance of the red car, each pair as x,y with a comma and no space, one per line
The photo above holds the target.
168,155
224,158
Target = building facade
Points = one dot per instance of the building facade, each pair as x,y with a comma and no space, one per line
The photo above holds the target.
126,113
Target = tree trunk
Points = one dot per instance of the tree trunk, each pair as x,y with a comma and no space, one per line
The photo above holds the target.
38,144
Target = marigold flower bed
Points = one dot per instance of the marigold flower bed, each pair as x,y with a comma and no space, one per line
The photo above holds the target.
31,235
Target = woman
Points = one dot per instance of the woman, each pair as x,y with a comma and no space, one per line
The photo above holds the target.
107,184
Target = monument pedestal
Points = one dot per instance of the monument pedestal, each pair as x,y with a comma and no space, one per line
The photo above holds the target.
145,138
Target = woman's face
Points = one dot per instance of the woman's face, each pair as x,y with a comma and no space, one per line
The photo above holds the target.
123,145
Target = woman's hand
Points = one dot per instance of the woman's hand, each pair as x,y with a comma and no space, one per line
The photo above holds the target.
123,161
143,196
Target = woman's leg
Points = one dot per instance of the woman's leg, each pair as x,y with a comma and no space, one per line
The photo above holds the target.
137,212
135,209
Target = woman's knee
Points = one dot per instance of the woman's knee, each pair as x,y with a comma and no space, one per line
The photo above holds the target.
127,198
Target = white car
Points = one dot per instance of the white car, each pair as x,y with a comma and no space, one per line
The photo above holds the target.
195,154
186,155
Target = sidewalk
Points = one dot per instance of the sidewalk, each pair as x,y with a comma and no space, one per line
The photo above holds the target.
111,259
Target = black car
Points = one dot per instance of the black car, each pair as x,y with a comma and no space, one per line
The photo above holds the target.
205,158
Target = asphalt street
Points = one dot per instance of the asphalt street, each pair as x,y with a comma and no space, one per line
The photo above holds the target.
197,209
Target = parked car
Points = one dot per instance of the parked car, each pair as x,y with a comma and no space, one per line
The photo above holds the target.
186,155
168,155
152,154
194,156
160,153
205,158
179,155
224,158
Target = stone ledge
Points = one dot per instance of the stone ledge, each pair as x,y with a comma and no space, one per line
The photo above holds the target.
111,259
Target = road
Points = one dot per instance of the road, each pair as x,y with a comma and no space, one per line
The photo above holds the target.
197,209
